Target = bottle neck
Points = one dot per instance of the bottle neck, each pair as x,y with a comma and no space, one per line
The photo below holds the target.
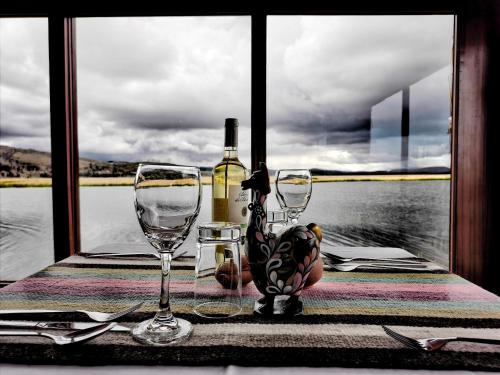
230,152
231,139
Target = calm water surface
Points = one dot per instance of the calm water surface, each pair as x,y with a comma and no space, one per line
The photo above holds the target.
413,215
26,235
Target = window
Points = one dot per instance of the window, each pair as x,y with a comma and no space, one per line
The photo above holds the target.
472,186
26,233
366,97
154,89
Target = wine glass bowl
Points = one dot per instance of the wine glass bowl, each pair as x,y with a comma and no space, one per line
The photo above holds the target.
167,201
293,191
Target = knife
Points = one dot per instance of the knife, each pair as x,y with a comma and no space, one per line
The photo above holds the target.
121,255
129,255
57,325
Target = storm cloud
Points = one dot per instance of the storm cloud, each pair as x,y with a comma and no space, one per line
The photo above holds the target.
160,88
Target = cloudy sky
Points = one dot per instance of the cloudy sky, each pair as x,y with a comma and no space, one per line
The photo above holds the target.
160,88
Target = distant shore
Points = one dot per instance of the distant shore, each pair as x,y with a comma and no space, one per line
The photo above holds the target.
382,177
129,181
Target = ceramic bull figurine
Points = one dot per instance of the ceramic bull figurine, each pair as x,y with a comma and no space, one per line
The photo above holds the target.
280,264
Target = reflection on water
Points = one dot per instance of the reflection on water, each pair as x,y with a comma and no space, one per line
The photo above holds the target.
413,215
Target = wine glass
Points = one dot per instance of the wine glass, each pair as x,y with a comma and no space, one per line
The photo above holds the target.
167,202
293,191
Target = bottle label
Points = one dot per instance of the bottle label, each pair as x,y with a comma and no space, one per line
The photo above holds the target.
219,209
238,206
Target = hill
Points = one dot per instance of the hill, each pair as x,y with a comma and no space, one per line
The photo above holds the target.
18,162
27,163
412,171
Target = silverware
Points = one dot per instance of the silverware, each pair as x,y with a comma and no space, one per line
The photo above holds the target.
340,259
129,255
57,325
76,336
121,255
94,315
393,266
435,343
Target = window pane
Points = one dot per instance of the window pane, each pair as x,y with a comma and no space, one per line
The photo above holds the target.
154,89
26,232
367,96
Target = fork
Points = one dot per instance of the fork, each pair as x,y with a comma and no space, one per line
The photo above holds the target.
75,336
340,259
398,266
94,315
435,343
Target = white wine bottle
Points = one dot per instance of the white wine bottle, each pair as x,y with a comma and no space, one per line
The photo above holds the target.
229,200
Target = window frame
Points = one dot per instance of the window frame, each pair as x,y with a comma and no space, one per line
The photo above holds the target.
473,209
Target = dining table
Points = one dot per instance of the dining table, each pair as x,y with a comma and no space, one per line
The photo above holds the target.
341,327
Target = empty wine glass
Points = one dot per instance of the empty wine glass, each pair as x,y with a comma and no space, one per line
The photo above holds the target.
293,191
167,202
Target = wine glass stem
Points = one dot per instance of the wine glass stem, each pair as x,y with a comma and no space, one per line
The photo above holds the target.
164,313
294,220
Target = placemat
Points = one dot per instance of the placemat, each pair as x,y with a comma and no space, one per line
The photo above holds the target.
341,326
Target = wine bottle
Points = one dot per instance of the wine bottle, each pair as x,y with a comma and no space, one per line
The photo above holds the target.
229,200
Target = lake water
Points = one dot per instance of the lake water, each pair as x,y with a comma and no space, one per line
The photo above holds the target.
413,215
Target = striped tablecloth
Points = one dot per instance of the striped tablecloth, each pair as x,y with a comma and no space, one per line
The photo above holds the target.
341,326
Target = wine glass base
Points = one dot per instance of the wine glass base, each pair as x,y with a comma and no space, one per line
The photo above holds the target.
153,334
